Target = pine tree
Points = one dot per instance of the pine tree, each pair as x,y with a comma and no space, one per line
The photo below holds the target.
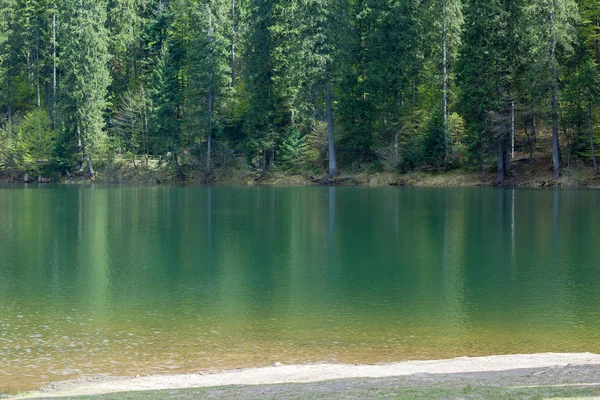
325,32
210,69
260,120
590,26
125,23
551,27
446,19
488,66
85,57
9,50
395,64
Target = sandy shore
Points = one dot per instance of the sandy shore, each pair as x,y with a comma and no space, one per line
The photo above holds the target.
492,367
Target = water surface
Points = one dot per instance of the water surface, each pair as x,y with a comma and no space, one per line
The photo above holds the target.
127,280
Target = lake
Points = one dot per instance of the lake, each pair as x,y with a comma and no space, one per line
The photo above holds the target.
127,280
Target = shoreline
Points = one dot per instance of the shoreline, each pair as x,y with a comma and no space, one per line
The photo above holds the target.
452,179
510,369
522,175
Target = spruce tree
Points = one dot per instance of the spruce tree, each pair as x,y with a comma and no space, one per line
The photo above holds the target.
85,57
489,63
550,28
395,64
209,69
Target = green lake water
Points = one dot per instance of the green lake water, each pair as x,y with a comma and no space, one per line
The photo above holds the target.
125,280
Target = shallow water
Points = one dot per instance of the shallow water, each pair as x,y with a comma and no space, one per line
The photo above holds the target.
125,280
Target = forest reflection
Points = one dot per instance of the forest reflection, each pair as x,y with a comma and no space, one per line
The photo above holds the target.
159,279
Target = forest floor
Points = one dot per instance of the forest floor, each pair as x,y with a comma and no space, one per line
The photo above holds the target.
522,175
238,172
537,376
538,174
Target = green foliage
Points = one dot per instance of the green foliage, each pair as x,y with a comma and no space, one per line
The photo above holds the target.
168,75
411,156
209,91
581,96
316,152
34,143
8,150
435,142
293,151
164,103
130,121
85,60
489,63
457,139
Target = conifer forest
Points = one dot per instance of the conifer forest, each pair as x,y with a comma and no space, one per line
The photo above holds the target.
319,85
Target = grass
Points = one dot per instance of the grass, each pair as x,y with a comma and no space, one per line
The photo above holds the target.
386,388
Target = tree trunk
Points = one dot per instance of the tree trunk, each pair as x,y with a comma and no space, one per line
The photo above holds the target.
445,78
512,129
210,128
79,143
37,72
330,131
54,69
591,123
533,130
395,112
178,168
506,157
555,145
146,146
272,157
127,67
597,42
9,99
209,34
500,162
47,90
530,142
444,69
233,26
91,167
568,152
37,79
396,153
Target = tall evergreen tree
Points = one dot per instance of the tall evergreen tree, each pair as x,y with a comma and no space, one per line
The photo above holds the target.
551,28
590,26
488,67
210,69
395,67
326,38
85,57
9,52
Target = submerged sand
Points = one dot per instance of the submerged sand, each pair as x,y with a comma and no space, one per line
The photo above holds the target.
492,367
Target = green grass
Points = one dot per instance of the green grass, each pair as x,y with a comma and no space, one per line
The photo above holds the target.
361,389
